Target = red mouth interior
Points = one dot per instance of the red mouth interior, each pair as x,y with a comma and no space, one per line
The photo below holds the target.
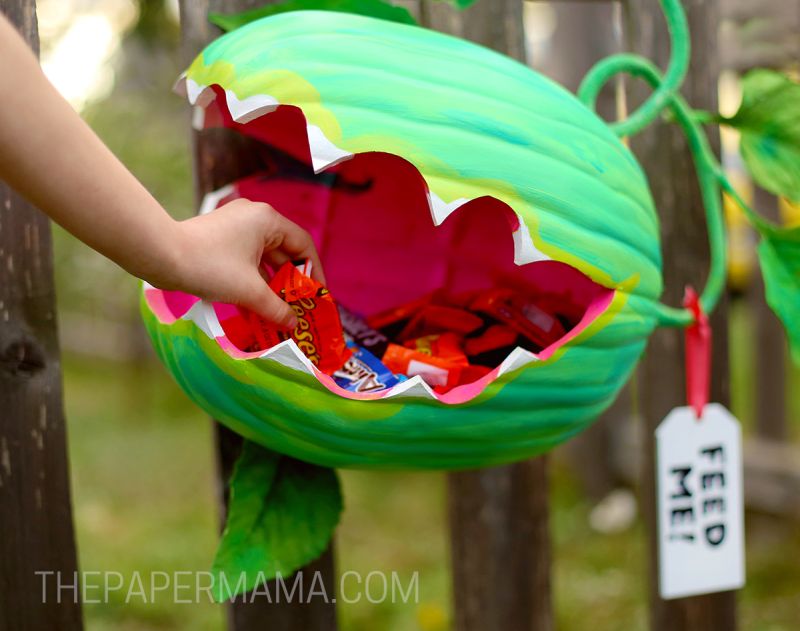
370,218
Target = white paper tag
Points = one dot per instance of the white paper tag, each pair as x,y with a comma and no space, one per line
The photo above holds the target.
700,504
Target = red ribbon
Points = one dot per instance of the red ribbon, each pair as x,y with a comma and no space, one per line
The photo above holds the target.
698,355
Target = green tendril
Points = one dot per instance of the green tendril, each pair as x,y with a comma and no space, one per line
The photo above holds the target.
762,225
604,70
666,96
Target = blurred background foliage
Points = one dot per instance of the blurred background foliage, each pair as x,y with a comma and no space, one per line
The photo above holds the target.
142,455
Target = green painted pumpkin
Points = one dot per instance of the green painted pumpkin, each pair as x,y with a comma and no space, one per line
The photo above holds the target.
418,160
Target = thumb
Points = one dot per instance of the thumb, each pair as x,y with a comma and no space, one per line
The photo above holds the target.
268,305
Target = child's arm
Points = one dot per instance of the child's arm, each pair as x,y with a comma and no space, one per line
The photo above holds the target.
52,157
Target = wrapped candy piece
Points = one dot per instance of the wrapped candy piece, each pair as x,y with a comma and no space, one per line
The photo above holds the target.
438,359
318,333
522,315
492,346
443,345
392,321
363,372
433,318
495,337
362,333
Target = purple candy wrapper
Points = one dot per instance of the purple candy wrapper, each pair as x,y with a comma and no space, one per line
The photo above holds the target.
363,334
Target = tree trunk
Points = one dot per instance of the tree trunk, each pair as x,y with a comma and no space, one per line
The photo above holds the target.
36,533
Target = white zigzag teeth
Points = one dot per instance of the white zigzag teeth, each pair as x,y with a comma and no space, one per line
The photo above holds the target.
250,108
441,210
203,315
518,358
413,387
289,354
323,152
524,250
196,94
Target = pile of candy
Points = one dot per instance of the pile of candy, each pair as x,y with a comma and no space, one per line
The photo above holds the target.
448,340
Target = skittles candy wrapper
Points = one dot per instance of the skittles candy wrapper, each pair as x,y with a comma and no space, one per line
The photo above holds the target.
363,372
318,333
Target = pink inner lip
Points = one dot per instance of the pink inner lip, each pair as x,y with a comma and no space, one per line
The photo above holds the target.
370,219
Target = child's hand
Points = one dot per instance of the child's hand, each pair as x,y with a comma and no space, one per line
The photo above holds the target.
219,257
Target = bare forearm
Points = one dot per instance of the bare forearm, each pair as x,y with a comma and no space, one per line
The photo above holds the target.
52,157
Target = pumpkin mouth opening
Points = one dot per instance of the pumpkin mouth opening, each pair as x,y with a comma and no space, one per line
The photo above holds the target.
385,240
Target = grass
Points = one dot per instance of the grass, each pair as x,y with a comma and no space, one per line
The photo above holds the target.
145,501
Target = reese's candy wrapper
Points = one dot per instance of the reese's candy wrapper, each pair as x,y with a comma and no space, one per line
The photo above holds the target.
432,319
362,333
318,333
265,334
522,315
363,372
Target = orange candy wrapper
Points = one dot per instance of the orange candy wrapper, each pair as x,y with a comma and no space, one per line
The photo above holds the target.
318,333
438,359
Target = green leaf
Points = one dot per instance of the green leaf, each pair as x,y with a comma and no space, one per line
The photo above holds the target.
769,122
372,8
281,516
779,253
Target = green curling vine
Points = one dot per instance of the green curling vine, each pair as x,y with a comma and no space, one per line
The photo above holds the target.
769,121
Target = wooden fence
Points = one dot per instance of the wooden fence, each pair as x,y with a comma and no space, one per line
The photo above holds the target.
501,556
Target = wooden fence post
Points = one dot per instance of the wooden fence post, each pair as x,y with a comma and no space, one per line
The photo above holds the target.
36,532
770,348
498,517
663,152
221,156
